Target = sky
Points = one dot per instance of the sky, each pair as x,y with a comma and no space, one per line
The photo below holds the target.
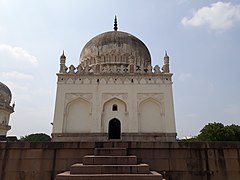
202,39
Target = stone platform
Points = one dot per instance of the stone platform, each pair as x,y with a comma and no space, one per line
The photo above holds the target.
103,137
109,164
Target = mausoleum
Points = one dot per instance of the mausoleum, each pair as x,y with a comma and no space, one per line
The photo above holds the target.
114,93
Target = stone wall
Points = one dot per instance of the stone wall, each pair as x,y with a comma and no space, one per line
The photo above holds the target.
177,160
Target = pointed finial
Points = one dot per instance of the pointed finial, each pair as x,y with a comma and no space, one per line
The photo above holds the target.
63,56
166,53
115,24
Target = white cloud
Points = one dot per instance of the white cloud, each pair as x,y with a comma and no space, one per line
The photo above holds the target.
218,16
16,57
184,77
14,75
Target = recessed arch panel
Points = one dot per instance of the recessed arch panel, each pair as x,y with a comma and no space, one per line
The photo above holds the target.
114,108
150,116
78,116
115,101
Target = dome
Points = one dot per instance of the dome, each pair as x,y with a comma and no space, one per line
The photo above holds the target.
5,94
115,47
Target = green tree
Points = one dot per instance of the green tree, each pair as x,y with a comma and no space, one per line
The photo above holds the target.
36,137
219,132
233,132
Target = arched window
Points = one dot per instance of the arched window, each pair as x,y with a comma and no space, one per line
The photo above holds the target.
114,107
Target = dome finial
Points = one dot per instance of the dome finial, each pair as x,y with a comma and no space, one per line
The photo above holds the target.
166,53
115,24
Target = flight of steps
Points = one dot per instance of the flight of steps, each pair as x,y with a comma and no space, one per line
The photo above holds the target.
109,164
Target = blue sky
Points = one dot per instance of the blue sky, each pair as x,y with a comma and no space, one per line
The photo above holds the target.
202,39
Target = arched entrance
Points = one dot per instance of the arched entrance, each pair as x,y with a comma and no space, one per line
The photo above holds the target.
114,129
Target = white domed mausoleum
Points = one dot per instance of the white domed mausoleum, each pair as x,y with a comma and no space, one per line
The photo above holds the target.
5,109
114,93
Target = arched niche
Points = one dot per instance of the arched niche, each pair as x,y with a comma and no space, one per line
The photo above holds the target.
114,108
115,101
78,116
150,116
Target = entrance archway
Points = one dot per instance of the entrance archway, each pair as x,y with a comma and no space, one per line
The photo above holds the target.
114,129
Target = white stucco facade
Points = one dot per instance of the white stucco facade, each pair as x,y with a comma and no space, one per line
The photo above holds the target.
102,96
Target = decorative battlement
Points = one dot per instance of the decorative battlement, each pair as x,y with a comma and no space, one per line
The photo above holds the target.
111,69
103,70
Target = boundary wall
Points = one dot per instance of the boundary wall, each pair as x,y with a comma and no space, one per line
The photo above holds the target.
175,160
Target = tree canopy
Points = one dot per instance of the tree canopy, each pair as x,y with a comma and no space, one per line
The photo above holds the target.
36,137
219,132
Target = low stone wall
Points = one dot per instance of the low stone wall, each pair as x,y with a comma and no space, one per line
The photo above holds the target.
177,160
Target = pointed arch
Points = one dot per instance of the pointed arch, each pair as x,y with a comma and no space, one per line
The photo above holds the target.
150,116
114,129
114,108
78,116
115,99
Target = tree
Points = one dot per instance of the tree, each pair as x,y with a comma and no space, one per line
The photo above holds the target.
233,132
219,132
36,137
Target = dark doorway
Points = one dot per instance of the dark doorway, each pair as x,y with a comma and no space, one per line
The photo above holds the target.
114,129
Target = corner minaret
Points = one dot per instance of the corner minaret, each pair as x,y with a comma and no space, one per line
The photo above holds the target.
63,67
165,68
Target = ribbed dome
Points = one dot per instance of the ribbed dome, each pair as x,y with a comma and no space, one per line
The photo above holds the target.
5,94
115,47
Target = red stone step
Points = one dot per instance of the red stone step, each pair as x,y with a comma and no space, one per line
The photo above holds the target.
109,169
67,176
109,160
110,151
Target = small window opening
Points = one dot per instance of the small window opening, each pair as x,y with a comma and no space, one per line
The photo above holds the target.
132,80
114,107
98,80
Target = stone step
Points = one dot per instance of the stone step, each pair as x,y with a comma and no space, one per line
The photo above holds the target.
109,160
67,176
109,169
110,151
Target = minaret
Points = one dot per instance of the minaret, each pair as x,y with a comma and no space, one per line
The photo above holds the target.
165,67
63,67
